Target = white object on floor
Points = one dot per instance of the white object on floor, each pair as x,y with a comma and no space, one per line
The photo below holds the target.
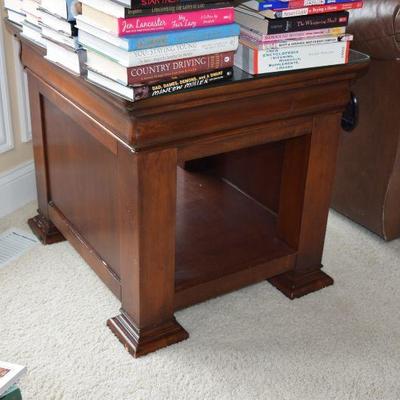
9,375
13,243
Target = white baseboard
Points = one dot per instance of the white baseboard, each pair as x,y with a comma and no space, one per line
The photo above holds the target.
17,188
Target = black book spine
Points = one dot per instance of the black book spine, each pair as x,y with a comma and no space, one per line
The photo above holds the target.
174,8
179,85
308,22
139,4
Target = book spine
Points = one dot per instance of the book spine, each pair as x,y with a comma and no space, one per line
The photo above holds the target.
138,42
72,9
185,50
12,394
295,43
289,36
289,59
309,22
294,12
283,5
135,4
176,8
176,21
266,5
178,68
179,85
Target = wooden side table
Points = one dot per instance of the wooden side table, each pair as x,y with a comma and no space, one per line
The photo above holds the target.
177,199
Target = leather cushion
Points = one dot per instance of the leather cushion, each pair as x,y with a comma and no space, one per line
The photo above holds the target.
376,29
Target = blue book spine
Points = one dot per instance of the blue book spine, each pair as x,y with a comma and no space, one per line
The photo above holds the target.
284,5
169,38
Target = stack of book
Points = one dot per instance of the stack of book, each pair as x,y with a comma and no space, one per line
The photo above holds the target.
57,22
289,35
31,28
145,48
10,374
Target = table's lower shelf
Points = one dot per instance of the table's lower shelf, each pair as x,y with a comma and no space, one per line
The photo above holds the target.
225,240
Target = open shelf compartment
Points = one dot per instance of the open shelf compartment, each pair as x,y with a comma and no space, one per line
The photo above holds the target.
224,239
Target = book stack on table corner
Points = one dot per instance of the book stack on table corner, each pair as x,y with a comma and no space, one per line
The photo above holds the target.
279,35
51,25
146,48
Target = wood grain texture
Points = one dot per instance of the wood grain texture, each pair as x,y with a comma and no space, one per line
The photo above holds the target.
177,199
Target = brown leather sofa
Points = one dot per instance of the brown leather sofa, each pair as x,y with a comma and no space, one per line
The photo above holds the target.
367,187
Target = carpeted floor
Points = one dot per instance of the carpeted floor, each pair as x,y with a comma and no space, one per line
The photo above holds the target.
340,343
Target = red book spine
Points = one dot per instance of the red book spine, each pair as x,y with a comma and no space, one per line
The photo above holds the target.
179,68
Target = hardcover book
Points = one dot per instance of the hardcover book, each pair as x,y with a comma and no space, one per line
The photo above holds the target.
295,12
159,22
155,3
296,42
149,40
255,61
260,37
253,20
284,5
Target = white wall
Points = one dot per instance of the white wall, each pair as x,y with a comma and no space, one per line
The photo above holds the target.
17,181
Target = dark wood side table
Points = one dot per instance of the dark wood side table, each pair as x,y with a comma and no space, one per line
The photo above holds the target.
177,199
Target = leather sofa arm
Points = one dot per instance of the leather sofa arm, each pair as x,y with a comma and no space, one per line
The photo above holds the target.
376,29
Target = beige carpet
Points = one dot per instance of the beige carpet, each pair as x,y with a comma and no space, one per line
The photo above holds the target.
340,343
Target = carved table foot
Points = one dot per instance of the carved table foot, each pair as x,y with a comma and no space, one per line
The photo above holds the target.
144,341
295,284
44,230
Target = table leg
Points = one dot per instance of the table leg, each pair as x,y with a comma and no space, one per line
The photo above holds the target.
307,179
41,225
147,220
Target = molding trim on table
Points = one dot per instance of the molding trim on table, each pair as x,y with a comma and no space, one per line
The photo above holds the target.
22,95
17,187
6,131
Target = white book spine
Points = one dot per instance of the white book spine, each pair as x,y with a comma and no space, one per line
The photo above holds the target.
289,59
184,50
291,35
296,43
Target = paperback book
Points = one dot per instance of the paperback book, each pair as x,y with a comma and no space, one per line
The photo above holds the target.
161,88
118,58
151,73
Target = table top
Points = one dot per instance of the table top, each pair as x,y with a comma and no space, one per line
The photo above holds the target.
240,77
243,101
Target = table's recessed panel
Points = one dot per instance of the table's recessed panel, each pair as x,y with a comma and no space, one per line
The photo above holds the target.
82,177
